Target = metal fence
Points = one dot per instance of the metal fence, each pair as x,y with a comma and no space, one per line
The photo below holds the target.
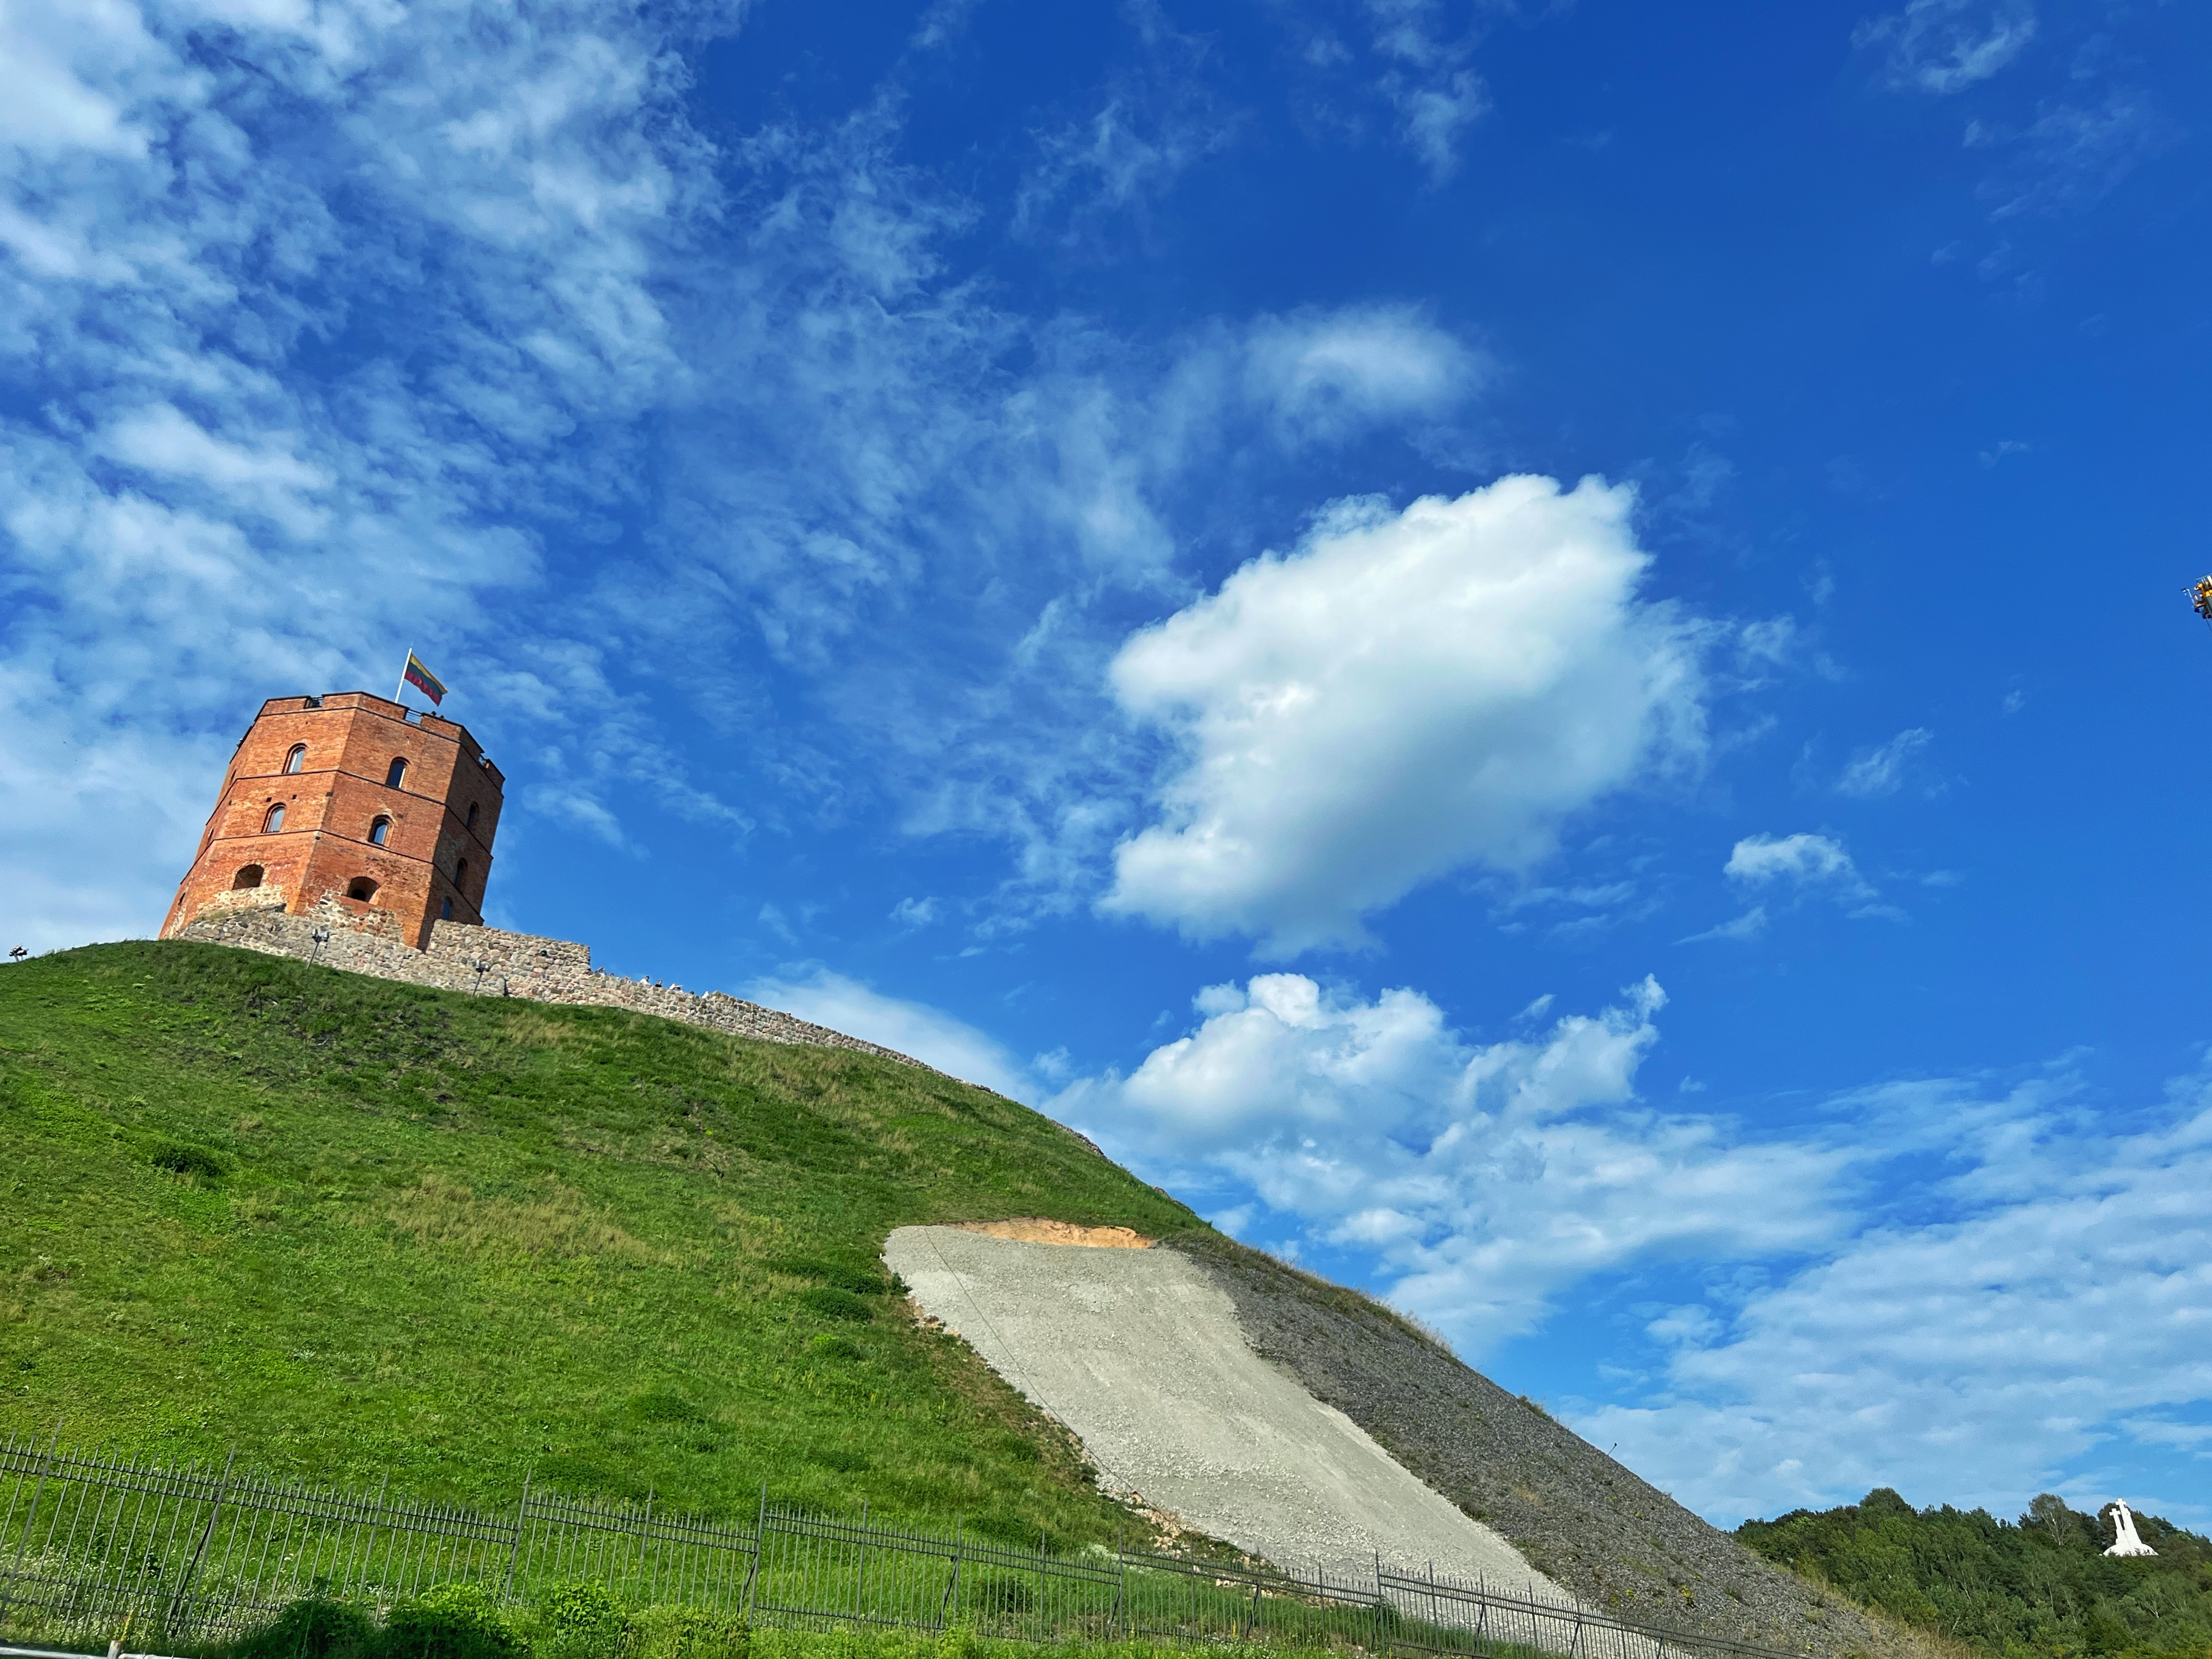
91,1546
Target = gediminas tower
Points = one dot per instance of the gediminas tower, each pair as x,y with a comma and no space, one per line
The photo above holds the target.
349,799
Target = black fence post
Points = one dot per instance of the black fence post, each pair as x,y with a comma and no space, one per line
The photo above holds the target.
952,1585
760,1544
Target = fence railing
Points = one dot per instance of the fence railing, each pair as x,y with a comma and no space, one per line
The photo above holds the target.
91,1545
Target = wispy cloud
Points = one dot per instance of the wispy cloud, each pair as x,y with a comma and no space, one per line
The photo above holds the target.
2043,1306
1096,175
1943,47
1881,770
2073,155
928,1034
234,465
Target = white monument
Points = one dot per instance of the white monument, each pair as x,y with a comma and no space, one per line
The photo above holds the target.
2125,1542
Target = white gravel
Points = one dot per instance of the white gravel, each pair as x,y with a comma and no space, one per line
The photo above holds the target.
1140,1354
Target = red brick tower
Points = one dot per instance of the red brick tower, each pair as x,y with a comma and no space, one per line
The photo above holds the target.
350,798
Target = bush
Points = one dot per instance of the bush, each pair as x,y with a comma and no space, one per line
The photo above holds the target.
688,1633
861,1281
179,1158
310,1629
453,1621
833,1303
581,1621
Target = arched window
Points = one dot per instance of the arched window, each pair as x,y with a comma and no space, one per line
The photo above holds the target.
379,832
397,775
361,888
249,877
274,820
446,911
461,875
472,815
297,758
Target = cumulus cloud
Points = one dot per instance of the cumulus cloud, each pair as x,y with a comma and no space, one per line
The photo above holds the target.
1880,770
1968,1291
928,1034
360,324
2037,1325
1944,47
1481,1178
1402,695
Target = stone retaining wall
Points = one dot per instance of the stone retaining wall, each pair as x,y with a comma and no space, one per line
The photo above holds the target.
491,962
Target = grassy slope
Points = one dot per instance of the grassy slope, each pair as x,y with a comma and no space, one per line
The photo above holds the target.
453,1238
2040,1589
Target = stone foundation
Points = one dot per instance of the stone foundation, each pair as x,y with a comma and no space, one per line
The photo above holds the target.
490,962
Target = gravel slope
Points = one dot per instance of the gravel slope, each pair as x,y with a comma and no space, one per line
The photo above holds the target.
1139,1353
1591,1524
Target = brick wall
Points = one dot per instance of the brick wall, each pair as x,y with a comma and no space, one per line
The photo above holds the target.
491,962
439,819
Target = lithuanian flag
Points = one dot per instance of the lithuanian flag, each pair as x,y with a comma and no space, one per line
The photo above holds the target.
423,679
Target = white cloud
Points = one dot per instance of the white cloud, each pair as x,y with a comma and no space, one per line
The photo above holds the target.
1155,119
1803,859
1332,373
1750,924
915,912
1969,1294
1880,770
2039,1325
1943,47
1485,1178
1403,695
298,389
928,1034
1428,81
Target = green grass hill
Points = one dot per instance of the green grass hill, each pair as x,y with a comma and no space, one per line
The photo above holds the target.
357,1229
2039,1588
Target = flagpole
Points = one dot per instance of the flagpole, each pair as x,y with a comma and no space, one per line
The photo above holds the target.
400,696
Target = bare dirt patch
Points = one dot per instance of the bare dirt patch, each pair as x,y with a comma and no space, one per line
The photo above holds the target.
1037,1230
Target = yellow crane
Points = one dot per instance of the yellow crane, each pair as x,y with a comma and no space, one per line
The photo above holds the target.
2201,597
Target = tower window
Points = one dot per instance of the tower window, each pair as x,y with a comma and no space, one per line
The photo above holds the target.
446,911
361,888
397,775
379,832
472,815
249,877
273,820
297,758
461,875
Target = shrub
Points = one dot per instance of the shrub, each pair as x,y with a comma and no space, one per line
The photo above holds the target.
861,1281
310,1629
833,1303
826,1347
665,1405
180,1158
582,1621
688,1633
453,1621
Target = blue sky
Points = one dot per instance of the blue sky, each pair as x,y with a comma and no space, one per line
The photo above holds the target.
1536,652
